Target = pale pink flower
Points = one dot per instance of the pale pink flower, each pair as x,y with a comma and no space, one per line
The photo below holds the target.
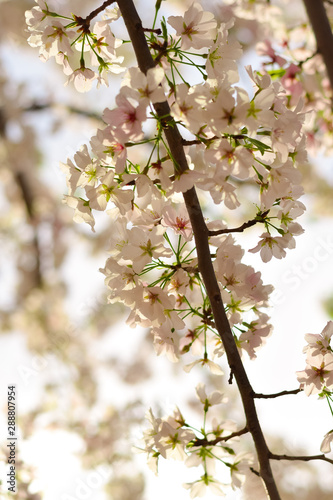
82,210
35,16
62,59
240,468
265,49
326,444
214,398
126,116
256,335
142,246
319,343
222,190
55,39
221,60
235,161
185,108
72,175
172,442
213,367
147,88
317,374
198,488
165,342
228,250
155,303
179,283
109,146
82,79
179,221
291,83
227,113
185,181
197,28
119,277
270,246
106,43
109,190
196,459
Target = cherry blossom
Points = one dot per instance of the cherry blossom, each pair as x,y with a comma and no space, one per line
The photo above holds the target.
196,28
326,444
126,116
270,246
318,373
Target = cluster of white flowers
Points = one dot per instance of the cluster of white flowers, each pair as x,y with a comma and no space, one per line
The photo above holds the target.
237,138
56,35
290,53
172,437
317,378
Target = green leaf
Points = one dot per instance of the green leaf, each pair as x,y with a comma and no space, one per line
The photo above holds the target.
277,73
262,147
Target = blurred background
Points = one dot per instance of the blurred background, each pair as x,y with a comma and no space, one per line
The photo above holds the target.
84,380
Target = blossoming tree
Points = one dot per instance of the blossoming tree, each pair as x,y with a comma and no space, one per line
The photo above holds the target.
185,135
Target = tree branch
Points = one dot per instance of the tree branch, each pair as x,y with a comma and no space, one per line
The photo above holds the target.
322,30
38,106
276,395
213,442
241,228
304,458
174,139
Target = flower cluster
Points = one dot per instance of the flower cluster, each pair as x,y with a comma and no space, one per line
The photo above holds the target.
317,378
318,374
56,35
290,54
172,437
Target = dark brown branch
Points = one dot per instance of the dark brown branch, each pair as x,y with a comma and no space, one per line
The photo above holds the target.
100,9
175,142
214,442
158,31
85,22
240,229
322,31
277,394
302,458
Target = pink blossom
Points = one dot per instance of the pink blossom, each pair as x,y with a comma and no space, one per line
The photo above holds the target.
265,49
82,210
319,343
147,88
317,374
197,28
179,221
82,79
127,117
270,246
326,444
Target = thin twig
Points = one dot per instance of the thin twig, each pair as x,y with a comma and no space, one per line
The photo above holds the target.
85,22
35,106
277,394
241,228
214,442
97,11
305,458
